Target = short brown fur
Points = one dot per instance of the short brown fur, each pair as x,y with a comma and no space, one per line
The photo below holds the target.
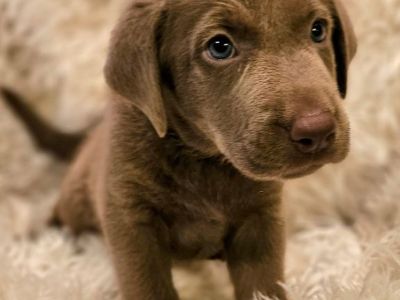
189,160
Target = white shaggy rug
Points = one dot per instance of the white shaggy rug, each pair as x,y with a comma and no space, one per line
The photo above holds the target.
343,222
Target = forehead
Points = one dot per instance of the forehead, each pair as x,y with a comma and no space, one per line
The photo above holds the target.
266,15
276,7
285,11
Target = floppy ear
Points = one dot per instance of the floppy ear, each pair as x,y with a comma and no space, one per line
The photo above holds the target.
132,68
344,43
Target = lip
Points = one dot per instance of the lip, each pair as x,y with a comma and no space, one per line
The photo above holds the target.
295,165
261,167
262,171
302,171
279,173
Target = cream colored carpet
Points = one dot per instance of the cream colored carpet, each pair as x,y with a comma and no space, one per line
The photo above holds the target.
343,222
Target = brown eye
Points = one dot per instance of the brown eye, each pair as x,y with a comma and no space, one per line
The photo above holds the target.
319,31
221,47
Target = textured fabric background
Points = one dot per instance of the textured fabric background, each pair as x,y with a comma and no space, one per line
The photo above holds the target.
343,222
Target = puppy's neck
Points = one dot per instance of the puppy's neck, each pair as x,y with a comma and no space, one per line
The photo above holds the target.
189,134
183,142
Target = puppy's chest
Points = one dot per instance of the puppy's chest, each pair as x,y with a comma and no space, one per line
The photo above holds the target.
197,236
202,202
202,216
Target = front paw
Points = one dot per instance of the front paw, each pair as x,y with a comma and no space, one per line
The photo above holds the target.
280,294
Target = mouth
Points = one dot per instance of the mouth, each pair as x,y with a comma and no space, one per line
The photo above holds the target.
294,168
302,171
280,163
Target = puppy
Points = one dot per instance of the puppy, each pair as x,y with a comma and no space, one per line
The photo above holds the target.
214,103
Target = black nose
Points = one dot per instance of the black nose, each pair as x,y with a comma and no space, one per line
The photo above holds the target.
313,132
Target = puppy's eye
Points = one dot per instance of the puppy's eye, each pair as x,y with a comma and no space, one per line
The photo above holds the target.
319,31
221,47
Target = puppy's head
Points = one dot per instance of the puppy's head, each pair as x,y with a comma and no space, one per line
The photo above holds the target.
260,82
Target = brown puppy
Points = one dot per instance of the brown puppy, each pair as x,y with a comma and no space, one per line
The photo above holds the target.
215,102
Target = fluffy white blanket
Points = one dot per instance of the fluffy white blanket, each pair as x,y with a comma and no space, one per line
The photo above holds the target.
343,222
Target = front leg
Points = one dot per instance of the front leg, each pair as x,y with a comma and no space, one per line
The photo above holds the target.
139,252
255,255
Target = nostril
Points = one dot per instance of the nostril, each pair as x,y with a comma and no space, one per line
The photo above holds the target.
306,142
306,145
328,141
